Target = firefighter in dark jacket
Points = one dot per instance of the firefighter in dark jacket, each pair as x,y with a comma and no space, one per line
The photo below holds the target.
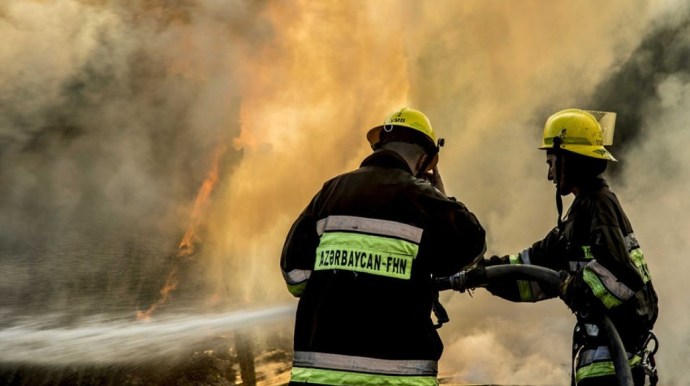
603,269
361,258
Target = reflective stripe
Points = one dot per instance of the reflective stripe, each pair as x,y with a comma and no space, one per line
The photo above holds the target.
515,259
592,329
638,258
618,289
366,253
296,276
525,291
631,242
570,141
369,225
576,266
597,363
363,364
530,291
587,250
297,289
605,286
345,378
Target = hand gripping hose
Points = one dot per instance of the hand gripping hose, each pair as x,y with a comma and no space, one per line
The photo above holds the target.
551,278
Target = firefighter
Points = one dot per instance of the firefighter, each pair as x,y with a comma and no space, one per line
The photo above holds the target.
603,269
361,258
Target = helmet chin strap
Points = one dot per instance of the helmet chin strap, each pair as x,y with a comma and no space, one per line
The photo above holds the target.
559,162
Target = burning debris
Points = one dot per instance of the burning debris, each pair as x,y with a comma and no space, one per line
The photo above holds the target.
191,236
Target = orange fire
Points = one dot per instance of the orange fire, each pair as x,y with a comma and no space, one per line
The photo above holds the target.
191,236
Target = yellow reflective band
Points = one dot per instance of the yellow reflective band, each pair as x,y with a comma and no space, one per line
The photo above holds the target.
638,258
598,288
588,251
346,378
602,369
375,255
525,291
297,289
524,287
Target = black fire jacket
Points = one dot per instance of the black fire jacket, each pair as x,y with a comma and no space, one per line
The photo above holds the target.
361,258
596,245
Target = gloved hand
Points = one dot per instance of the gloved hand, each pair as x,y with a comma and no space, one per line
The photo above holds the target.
475,277
494,260
469,279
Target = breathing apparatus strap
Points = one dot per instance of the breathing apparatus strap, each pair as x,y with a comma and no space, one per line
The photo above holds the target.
559,162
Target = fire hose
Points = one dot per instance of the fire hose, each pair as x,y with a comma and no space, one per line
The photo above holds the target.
550,278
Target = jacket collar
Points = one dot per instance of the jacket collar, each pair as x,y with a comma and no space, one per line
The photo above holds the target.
593,185
386,159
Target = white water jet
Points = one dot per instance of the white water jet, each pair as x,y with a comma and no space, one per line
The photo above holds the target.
126,341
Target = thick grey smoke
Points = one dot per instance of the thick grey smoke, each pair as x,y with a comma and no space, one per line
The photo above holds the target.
110,115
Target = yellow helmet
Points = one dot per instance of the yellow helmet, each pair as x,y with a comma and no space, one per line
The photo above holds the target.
579,132
411,119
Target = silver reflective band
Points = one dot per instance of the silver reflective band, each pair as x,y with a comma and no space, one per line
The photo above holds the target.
592,329
620,290
599,354
296,276
575,266
371,226
525,257
363,364
631,242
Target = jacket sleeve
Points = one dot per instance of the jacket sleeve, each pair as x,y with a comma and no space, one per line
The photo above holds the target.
611,277
457,238
543,253
299,251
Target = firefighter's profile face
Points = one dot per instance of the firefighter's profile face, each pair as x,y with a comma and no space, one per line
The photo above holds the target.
565,188
551,162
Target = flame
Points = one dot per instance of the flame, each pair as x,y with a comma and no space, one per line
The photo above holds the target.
191,237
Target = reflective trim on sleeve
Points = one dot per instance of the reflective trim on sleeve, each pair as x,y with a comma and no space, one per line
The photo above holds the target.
576,266
530,291
587,251
363,364
375,255
515,259
345,378
371,226
297,289
525,291
296,276
597,363
605,286
638,258
631,242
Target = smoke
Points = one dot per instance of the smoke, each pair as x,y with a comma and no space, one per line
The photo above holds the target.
110,115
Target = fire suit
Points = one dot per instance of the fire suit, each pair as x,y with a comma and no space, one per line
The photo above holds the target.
597,246
361,258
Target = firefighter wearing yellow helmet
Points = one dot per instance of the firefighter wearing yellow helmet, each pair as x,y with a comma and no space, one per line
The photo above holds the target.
603,269
408,125
361,258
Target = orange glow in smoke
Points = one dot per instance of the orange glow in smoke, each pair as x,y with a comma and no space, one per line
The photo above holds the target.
191,236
